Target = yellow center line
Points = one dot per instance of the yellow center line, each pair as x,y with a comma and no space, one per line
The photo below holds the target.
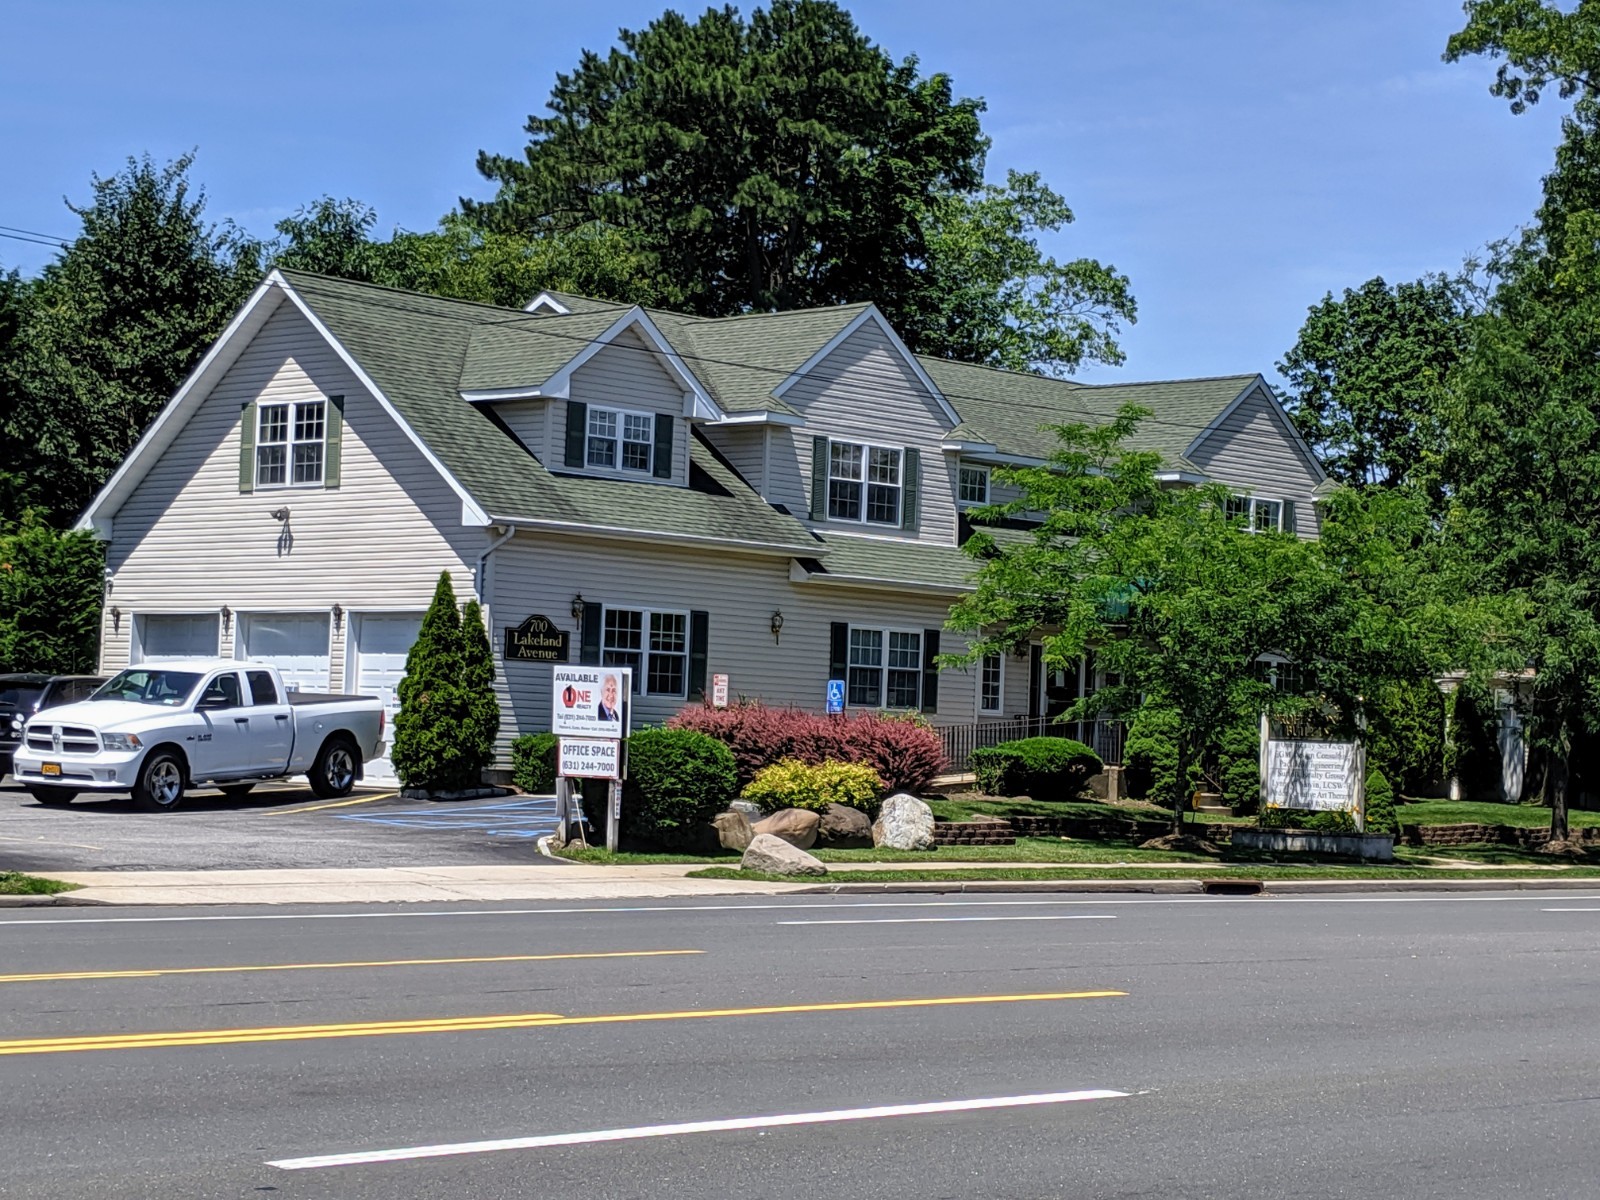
290,1033
277,812
154,972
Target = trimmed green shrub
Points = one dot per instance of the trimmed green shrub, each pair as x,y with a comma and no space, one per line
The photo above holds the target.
1238,769
1043,768
1381,816
1405,736
444,734
533,762
794,784
677,781
1150,755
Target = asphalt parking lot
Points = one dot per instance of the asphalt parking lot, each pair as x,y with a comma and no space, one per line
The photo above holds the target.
277,826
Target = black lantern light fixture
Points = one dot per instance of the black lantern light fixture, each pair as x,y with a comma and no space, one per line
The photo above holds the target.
338,617
777,626
227,618
577,607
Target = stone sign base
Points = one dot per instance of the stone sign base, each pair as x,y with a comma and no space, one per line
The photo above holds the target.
1374,847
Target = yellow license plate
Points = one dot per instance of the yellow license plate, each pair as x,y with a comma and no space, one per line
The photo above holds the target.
50,769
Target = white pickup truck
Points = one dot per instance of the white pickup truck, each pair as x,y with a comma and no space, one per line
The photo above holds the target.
157,729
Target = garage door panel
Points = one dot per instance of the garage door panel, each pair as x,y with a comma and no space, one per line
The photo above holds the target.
295,643
382,642
166,636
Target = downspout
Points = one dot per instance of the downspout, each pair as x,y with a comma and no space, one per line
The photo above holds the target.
478,576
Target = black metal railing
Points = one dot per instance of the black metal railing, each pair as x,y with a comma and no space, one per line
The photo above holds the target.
1103,735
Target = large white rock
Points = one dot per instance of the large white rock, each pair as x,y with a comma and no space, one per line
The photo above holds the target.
774,856
904,823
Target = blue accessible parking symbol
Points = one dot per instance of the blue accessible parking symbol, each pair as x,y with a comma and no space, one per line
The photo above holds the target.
835,696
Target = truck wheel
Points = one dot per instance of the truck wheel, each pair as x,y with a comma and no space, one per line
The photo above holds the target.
56,797
160,786
333,773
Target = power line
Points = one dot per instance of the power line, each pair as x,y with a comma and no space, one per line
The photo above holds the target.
35,233
35,241
543,326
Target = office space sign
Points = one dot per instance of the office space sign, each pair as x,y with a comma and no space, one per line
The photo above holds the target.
590,702
590,758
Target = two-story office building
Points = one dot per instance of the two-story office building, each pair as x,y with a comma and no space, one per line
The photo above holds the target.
773,497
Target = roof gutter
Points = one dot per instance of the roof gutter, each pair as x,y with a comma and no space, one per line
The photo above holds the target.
650,537
479,576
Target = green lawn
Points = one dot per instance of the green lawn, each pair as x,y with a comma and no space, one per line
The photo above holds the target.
1461,812
1011,875
15,883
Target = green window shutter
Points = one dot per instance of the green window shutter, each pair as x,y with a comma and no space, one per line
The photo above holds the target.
819,482
911,478
839,651
930,671
699,637
1289,523
662,467
247,447
331,453
589,640
577,432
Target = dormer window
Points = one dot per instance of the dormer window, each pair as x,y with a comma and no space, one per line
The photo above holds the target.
863,483
972,484
1259,514
618,438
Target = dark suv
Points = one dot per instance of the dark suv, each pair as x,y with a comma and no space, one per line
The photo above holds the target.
23,695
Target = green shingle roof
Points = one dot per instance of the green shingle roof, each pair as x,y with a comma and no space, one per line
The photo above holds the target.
875,560
528,352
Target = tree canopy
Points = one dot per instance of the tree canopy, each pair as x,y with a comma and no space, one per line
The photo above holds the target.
1366,372
785,161
1541,43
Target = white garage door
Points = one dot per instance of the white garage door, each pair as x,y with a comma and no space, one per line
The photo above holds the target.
295,643
166,636
382,641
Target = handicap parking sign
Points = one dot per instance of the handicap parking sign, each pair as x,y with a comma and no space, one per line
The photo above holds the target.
835,695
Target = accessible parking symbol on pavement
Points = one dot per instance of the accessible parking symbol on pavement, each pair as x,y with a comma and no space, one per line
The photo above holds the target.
532,817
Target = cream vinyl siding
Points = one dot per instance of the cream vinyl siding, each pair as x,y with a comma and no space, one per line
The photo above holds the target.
187,540
866,392
541,574
530,421
744,446
1252,452
624,374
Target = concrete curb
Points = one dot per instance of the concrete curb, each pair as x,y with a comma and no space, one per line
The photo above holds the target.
45,901
1214,887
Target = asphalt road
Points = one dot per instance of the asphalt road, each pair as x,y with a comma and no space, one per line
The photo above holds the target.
1311,1047
276,826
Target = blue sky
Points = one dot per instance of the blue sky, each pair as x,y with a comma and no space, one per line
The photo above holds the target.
1236,158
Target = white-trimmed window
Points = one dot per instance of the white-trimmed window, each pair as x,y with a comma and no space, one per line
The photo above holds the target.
620,439
972,484
654,643
885,668
864,483
291,443
1259,514
992,683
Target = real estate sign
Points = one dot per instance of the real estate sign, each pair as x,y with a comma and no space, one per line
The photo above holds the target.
590,758
1318,776
590,702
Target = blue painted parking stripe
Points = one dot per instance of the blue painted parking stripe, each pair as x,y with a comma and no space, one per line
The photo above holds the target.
529,818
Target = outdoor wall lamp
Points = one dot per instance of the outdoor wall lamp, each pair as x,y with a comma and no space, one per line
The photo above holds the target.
227,618
577,607
116,619
777,626
280,514
338,617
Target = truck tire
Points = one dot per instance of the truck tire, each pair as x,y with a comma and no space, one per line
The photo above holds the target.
161,782
56,797
333,773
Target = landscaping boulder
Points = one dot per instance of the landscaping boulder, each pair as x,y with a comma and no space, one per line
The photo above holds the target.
774,856
844,828
905,823
733,830
796,826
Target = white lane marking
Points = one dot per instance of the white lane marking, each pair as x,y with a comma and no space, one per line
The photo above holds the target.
946,920
1096,902
1569,910
364,1157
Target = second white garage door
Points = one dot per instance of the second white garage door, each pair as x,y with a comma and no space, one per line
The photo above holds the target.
295,643
382,641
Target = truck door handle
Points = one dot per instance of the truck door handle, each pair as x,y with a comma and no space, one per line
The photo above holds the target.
241,720
280,716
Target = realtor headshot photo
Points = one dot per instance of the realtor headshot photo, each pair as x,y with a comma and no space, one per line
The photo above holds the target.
610,707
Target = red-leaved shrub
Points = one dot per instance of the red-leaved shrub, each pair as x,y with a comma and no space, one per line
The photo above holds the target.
906,756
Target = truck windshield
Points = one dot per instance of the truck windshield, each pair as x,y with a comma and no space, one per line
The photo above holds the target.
149,685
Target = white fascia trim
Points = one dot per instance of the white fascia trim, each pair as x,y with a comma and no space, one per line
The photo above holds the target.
547,301
649,537
490,395
98,516
969,447
871,313
1277,410
766,416
798,574
471,512
698,402
1180,477
1007,460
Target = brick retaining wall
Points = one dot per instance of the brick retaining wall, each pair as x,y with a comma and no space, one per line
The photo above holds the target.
1467,834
